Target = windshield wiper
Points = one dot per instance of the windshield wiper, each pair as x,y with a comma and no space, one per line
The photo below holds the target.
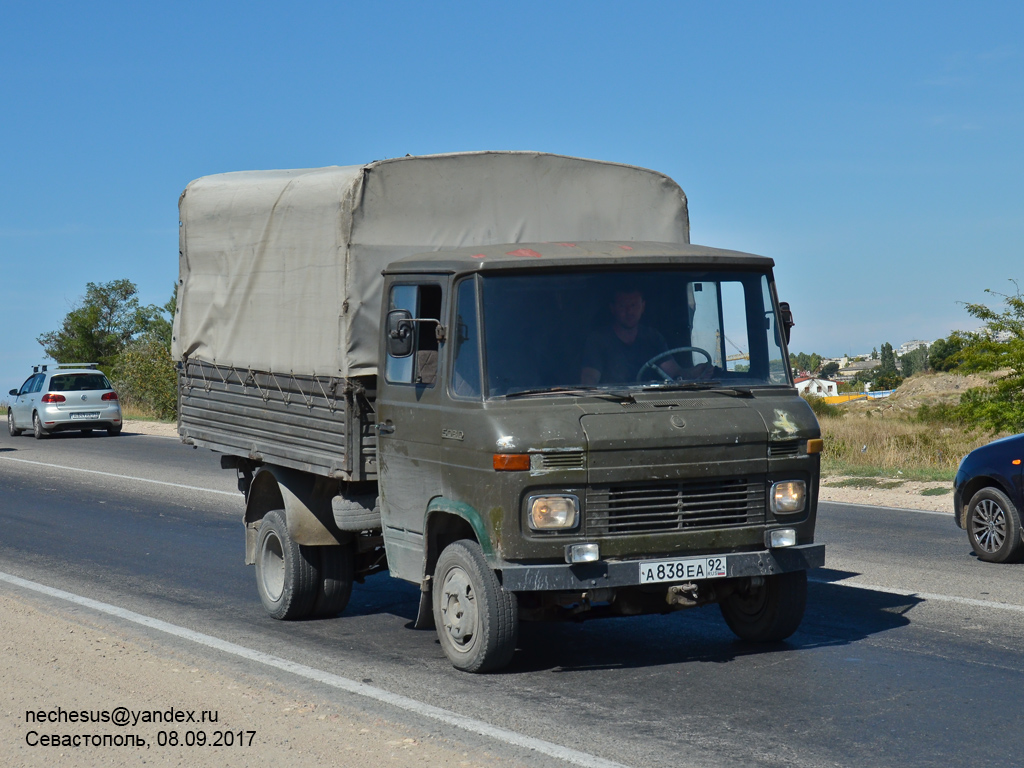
618,396
701,386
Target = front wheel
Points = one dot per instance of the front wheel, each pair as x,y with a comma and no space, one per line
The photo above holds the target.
287,575
993,526
768,609
10,424
477,621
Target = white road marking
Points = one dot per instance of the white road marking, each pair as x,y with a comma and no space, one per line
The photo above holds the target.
470,724
849,582
887,509
234,494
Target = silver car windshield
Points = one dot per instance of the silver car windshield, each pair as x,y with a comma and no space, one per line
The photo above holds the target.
630,329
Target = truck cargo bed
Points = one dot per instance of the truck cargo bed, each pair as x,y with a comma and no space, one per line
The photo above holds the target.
318,424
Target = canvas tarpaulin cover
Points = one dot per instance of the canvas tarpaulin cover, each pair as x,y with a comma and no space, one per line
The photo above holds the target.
281,270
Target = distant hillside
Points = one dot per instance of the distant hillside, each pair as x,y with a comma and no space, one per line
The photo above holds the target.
921,389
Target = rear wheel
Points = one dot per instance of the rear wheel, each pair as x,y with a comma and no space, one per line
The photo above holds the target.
10,424
477,621
114,431
993,526
337,572
287,574
37,428
768,609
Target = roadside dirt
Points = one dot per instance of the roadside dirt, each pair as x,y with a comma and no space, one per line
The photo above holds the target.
77,662
888,492
158,428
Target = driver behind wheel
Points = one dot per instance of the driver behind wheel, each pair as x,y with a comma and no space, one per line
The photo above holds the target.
617,352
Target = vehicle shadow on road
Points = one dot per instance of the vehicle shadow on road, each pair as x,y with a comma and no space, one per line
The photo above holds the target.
836,615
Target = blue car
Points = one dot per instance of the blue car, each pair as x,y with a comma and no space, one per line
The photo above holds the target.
987,499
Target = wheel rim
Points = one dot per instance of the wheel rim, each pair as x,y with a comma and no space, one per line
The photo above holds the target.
751,602
272,566
10,422
459,612
988,525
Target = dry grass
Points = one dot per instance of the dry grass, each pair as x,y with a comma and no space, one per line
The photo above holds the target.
873,446
134,412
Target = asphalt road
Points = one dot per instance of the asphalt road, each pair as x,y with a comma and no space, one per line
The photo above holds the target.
909,655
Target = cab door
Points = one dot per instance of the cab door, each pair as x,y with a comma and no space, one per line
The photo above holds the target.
409,429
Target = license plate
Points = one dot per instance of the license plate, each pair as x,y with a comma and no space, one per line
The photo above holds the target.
87,416
683,570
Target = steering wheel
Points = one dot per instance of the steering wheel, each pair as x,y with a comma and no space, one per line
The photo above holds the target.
653,362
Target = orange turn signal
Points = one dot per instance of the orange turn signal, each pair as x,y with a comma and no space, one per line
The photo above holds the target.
815,446
511,462
1016,462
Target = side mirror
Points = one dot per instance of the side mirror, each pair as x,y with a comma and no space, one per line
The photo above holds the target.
787,319
13,392
399,330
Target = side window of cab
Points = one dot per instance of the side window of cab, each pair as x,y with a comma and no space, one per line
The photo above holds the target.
423,302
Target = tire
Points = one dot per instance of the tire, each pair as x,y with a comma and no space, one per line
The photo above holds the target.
87,432
114,431
37,428
477,621
337,572
993,526
769,612
15,432
287,574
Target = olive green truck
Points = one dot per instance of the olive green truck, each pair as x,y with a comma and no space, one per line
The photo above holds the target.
505,377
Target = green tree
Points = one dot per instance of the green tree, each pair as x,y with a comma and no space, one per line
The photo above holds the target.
145,374
944,354
161,327
914,361
887,360
829,369
100,325
999,346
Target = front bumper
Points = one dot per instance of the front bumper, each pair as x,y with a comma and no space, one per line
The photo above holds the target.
562,577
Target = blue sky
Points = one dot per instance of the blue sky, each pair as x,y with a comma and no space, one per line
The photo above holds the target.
874,150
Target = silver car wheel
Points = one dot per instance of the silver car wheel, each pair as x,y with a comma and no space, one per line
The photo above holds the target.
988,523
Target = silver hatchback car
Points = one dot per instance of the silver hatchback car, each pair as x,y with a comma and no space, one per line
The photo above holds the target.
72,396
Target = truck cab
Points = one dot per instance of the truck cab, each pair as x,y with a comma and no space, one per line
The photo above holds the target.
573,474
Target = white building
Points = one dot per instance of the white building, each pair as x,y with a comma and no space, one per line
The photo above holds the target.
808,385
910,346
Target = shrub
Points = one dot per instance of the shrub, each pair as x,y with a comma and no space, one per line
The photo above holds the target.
821,408
145,377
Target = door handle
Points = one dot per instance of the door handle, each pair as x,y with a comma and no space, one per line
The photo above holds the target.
385,429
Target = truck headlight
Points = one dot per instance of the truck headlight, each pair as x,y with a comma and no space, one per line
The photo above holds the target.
788,497
553,513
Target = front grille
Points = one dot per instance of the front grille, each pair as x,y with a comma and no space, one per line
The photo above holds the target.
621,510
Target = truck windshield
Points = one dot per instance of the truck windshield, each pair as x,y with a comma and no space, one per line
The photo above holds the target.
633,329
